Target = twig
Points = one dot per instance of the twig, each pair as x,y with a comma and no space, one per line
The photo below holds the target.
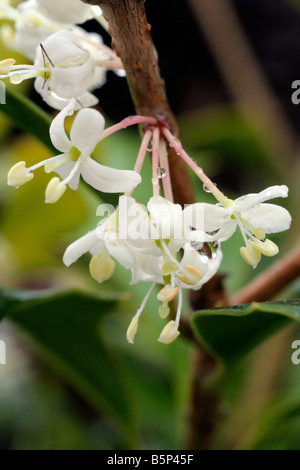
131,40
272,281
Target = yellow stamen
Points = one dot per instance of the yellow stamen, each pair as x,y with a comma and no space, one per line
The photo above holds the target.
102,269
54,190
169,333
190,275
167,293
19,175
6,65
132,329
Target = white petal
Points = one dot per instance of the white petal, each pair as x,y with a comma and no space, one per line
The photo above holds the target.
207,267
79,247
64,170
71,82
245,202
64,49
58,134
167,216
206,217
121,252
108,180
269,217
86,130
222,234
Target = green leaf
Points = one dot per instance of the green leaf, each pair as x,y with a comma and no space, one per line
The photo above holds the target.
67,327
231,332
27,116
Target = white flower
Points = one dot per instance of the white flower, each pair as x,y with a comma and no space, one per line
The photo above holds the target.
255,219
75,159
66,11
62,69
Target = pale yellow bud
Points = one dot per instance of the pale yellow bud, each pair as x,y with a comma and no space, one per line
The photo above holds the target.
267,248
132,329
167,293
102,269
250,254
163,310
19,175
6,65
54,190
190,275
169,333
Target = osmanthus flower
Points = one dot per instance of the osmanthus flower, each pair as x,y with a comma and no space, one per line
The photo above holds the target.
62,69
66,11
255,219
75,160
111,238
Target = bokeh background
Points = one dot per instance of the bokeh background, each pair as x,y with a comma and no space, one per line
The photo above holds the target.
230,86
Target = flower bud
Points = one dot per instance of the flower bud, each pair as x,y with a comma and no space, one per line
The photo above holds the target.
54,190
169,333
19,175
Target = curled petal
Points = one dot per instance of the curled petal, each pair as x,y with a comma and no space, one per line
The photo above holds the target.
167,216
108,180
79,247
246,202
58,134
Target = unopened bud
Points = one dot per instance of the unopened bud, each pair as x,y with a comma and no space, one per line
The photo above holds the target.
19,175
102,269
169,333
54,190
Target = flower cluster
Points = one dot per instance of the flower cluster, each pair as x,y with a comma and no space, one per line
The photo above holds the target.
162,244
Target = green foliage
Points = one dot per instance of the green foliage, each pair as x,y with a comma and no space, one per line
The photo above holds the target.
231,332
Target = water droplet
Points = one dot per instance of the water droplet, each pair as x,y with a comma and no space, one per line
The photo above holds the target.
161,172
206,189
198,246
149,149
214,248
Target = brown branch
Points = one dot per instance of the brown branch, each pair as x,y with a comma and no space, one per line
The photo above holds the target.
131,39
132,42
272,281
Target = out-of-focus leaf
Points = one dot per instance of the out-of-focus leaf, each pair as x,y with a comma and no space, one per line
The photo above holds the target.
66,326
231,332
27,116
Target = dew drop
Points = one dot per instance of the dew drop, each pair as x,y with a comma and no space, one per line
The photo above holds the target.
198,246
214,248
206,189
161,172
